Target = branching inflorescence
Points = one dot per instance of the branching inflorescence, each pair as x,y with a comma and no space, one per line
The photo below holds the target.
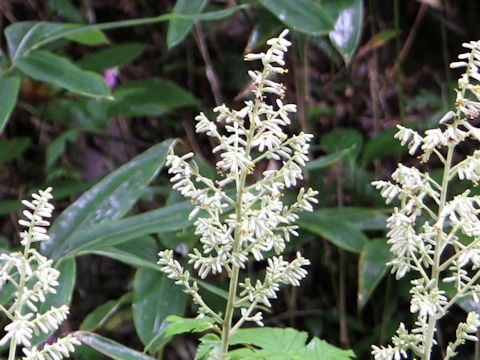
33,278
434,233
254,220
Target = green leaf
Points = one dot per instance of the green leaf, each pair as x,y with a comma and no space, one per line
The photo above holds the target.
112,56
154,298
10,206
361,218
109,199
341,233
178,325
140,252
57,147
372,266
66,9
110,233
381,146
87,113
343,138
178,29
305,16
12,148
209,347
320,349
151,97
348,18
109,347
284,344
328,160
48,67
24,36
9,88
97,318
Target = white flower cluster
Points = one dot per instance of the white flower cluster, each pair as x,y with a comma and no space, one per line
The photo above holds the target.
34,278
427,232
243,214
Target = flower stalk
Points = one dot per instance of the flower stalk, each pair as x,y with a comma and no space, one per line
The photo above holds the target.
260,221
444,249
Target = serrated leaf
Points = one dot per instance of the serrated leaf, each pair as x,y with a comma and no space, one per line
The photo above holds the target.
9,88
178,29
306,16
109,347
372,267
178,325
109,199
341,233
151,97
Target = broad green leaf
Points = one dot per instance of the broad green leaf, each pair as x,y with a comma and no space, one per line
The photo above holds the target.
283,344
328,160
178,325
24,36
57,147
381,146
154,298
178,29
109,199
111,233
140,252
361,218
348,18
32,35
306,16
12,148
343,138
9,88
113,56
46,66
151,97
341,233
97,318
282,340
209,347
320,349
372,266
110,348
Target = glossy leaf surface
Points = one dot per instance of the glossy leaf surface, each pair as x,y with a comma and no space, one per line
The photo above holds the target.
9,88
154,298
306,16
109,199
46,66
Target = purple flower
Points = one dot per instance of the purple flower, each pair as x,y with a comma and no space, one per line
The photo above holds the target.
110,76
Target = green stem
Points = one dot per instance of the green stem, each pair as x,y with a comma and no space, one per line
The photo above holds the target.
436,270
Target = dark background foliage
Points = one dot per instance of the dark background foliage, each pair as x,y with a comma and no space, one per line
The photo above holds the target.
397,72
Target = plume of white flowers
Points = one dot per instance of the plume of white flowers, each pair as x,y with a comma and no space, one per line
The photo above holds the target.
427,231
34,278
254,220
